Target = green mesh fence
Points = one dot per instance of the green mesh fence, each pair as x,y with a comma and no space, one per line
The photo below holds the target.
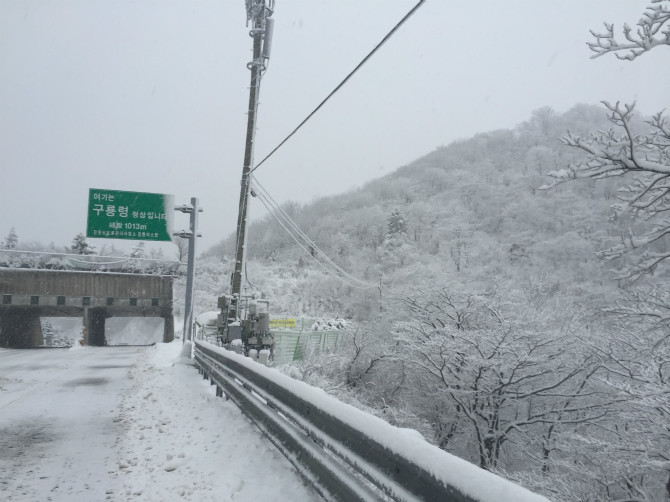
296,345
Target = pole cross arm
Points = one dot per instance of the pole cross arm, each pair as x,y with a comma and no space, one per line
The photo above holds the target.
186,234
187,208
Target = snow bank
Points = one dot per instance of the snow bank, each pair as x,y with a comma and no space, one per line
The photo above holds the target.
449,469
134,330
182,443
329,324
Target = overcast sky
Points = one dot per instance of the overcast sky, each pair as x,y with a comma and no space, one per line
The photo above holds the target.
151,95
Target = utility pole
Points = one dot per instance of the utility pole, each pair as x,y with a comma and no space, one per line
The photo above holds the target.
259,13
192,234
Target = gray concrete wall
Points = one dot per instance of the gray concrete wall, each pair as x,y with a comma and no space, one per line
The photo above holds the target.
19,281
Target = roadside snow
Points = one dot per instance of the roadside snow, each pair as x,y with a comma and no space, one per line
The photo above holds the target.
134,330
129,424
183,443
57,432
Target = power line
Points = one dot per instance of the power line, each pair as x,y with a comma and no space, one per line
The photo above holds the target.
274,214
365,59
327,269
284,219
326,266
309,241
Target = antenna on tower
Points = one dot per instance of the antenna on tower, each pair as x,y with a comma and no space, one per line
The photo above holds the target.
267,38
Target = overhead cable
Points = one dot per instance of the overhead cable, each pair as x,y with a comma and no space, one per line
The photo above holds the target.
271,210
309,241
326,268
365,59
328,265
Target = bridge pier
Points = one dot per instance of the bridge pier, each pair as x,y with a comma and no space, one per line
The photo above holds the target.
94,321
20,328
168,327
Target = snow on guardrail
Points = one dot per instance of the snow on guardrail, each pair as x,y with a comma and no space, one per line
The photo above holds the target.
450,471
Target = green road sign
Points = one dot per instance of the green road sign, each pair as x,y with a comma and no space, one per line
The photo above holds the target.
113,214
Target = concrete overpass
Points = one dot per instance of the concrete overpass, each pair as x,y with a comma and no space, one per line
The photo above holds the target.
30,294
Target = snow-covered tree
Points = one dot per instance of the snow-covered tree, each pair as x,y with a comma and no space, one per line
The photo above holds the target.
396,250
637,360
643,160
110,250
500,382
458,249
182,248
138,251
157,254
641,157
80,245
397,225
11,240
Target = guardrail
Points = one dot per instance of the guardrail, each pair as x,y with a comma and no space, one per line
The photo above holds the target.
346,454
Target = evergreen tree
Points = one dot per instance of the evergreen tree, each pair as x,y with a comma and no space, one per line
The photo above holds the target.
80,246
397,225
138,251
11,240
157,254
395,249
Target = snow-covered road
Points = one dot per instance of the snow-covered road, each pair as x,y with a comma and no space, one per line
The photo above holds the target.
128,423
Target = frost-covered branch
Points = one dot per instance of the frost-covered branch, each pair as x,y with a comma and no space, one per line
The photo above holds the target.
502,382
653,30
644,161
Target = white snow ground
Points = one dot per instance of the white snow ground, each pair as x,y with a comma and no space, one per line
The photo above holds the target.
128,424
133,330
118,330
